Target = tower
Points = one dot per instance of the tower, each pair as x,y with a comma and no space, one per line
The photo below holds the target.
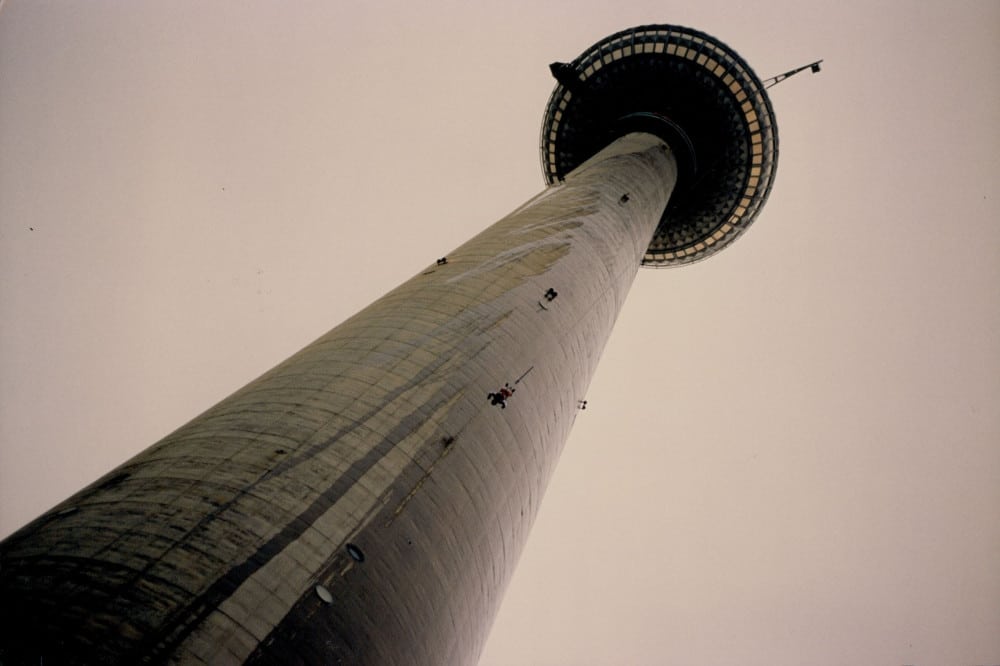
366,499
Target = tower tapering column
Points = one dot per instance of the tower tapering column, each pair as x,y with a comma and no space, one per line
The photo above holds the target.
367,499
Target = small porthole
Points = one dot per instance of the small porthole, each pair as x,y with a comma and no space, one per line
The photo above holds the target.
355,553
324,594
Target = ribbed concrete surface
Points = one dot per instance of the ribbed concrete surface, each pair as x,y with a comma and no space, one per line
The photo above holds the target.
209,546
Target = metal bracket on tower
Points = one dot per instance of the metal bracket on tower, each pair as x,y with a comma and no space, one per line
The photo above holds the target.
775,80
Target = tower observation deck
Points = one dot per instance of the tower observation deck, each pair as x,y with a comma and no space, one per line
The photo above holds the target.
366,500
701,98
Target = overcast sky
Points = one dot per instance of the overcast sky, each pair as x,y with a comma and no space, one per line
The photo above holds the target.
791,452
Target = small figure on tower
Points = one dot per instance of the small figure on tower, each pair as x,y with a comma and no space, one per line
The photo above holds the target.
501,396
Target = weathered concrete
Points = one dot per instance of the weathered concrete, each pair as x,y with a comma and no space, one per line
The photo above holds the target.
370,464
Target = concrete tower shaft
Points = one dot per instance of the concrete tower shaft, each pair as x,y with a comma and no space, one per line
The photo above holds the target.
365,501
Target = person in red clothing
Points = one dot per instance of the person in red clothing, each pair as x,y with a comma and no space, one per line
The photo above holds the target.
501,396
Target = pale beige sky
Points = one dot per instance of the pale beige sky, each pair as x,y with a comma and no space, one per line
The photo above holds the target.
791,452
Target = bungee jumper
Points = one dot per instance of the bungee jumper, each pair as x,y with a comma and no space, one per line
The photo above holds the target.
505,392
